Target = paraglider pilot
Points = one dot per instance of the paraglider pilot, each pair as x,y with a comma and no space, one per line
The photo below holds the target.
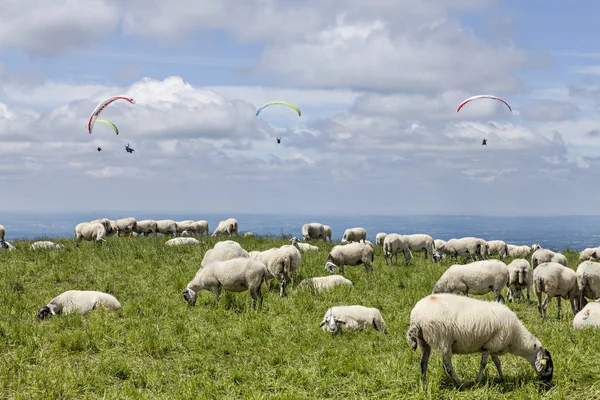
129,149
484,142
99,148
278,140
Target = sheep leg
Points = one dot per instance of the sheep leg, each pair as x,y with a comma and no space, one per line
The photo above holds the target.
217,294
528,297
498,296
447,363
484,359
573,307
496,361
539,299
426,352
545,305
282,285
558,300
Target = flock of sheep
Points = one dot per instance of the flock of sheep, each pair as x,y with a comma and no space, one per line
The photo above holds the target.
478,326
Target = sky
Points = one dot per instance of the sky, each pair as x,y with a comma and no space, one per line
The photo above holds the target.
378,84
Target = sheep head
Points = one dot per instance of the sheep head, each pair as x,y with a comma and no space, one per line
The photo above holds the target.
190,296
332,323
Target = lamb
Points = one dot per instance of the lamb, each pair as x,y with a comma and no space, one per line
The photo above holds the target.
277,262
420,241
520,276
353,318
184,226
295,260
320,283
454,324
479,277
236,275
588,281
229,226
166,227
90,231
6,245
304,247
248,234
313,231
379,238
223,251
544,256
125,226
201,227
467,247
591,253
518,251
497,248
555,280
349,254
182,241
353,235
392,245
80,301
2,233
588,317
327,232
44,244
147,227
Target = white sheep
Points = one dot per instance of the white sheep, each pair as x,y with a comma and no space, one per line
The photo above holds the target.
80,301
352,318
166,227
454,324
588,317
363,241
353,235
45,244
109,226
229,226
6,245
90,231
295,260
555,280
497,248
588,281
2,233
327,232
248,235
379,238
520,276
392,245
320,283
277,262
236,275
147,227
126,226
223,251
182,241
304,247
479,277
201,227
349,254
421,242
313,231
535,247
544,256
518,251
185,226
439,243
591,253
467,247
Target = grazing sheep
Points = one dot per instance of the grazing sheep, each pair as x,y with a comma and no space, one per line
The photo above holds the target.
295,260
166,227
439,243
44,244
236,275
544,256
126,226
380,238
182,241
392,245
201,227
80,301
518,251
320,283
467,247
277,262
479,277
588,281
349,254
535,247
6,245
353,318
2,233
147,227
313,231
223,251
327,232
421,242
353,235
229,226
454,324
520,276
304,247
497,248
591,253
555,280
109,226
588,317
248,234
90,231
185,226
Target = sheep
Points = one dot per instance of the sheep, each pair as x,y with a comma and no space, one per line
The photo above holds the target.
125,226
223,251
295,260
327,232
109,226
588,281
353,318
90,231
229,226
479,277
518,251
591,253
320,283
277,262
588,317
184,226
353,235
544,256
497,247
535,247
44,244
363,241
236,275
439,243
201,227
6,245
520,276
379,238
166,227
2,233
454,324
467,247
313,231
80,301
147,227
349,254
248,235
555,280
420,241
392,245
182,241
304,247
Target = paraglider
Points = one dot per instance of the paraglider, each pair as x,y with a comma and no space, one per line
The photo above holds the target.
129,149
484,142
482,96
109,124
285,103
278,140
99,148
100,107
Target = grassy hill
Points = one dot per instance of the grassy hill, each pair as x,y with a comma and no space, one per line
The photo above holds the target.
157,346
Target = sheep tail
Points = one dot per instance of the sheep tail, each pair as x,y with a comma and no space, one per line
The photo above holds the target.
583,282
521,277
413,334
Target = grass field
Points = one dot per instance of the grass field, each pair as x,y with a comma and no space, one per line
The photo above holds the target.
156,346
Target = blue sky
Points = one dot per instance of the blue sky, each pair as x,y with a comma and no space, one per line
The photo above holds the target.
377,83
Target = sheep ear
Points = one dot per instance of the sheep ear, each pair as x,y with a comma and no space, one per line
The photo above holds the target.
341,322
322,323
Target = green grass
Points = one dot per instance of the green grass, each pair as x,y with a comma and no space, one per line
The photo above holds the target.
157,346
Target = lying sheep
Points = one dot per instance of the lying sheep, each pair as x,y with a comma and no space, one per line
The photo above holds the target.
497,248
349,254
353,235
185,226
295,260
236,275
147,227
6,245
520,276
126,226
304,247
588,317
81,301
320,283
166,227
460,325
380,238
421,242
555,280
392,245
327,232
44,244
90,231
2,233
182,241
313,231
479,277
248,234
277,262
544,256
588,281
591,253
518,251
229,226
223,251
353,318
